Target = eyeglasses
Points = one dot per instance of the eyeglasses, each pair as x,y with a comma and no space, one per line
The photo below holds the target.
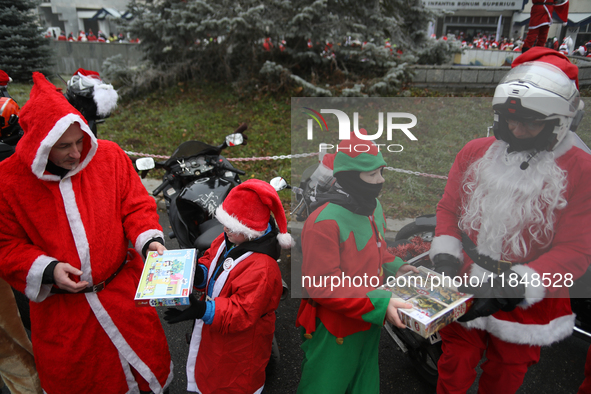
530,125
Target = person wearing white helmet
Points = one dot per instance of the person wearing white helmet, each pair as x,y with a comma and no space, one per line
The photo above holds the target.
513,219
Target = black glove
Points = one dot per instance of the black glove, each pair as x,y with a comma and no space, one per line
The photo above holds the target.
499,294
195,311
446,264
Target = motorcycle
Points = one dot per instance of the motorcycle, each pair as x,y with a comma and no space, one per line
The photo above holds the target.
196,181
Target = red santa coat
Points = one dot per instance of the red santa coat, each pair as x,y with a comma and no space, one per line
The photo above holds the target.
86,342
541,13
545,315
230,355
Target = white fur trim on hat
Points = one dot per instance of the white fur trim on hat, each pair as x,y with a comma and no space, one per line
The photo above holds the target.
235,225
285,240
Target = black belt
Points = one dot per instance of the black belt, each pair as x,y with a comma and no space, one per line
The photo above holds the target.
488,263
95,288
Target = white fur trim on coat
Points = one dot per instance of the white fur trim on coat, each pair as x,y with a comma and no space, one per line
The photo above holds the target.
144,237
446,244
35,290
235,225
533,293
56,132
127,354
526,334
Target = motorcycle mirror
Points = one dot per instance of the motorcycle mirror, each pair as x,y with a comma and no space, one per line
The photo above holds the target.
145,163
279,183
234,139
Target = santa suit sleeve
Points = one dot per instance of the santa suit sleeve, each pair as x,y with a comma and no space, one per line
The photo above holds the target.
22,262
252,293
570,250
138,208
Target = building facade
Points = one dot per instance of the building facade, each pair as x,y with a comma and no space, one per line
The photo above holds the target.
74,16
506,18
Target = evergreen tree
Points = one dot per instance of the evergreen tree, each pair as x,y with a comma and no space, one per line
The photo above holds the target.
282,42
22,46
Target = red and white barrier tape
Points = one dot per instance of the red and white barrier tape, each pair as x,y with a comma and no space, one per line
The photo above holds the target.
296,156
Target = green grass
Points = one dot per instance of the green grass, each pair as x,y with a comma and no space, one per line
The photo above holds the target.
160,121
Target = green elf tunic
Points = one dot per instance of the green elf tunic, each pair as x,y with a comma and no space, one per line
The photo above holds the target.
342,324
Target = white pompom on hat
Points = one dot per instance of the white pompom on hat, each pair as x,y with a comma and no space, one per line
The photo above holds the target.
104,95
247,210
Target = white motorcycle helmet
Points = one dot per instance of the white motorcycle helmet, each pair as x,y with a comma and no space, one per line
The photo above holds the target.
532,92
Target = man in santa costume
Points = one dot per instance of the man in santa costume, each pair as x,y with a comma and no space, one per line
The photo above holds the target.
341,325
235,320
515,216
540,20
69,207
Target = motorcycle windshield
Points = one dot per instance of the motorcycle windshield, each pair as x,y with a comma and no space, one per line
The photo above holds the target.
192,148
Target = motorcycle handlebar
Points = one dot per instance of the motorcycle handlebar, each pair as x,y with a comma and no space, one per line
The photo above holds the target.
242,128
157,191
237,171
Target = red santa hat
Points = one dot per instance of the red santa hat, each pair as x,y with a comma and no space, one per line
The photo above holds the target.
4,78
548,55
247,210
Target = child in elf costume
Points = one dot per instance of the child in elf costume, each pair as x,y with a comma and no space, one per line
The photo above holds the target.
345,238
235,322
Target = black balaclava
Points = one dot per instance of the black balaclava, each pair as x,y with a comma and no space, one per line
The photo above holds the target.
542,141
364,194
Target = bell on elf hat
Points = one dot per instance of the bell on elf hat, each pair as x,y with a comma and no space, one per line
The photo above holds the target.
247,210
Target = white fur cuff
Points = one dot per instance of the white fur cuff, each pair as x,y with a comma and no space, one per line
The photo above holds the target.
446,244
533,293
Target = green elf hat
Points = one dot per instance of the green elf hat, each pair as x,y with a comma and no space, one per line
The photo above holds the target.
356,154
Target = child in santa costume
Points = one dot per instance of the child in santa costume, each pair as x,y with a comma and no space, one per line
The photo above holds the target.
341,325
235,320
516,212
69,207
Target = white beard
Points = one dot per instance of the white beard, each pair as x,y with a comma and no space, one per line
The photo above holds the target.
506,204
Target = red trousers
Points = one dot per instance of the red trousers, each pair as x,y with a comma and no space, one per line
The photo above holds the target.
536,37
586,386
502,372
